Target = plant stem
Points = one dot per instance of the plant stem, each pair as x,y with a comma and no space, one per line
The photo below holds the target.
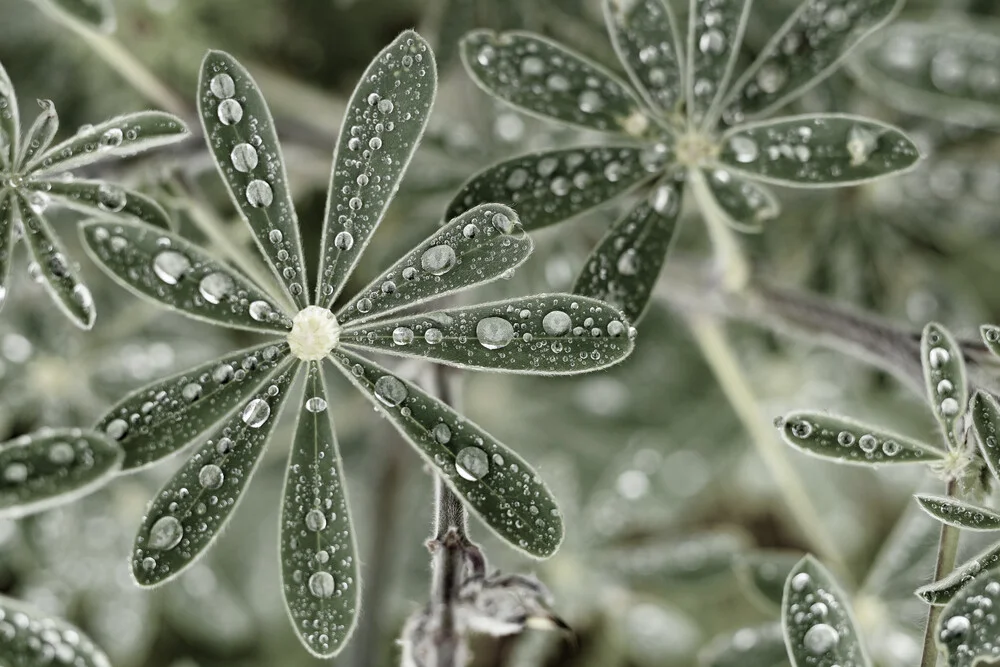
718,353
731,262
947,552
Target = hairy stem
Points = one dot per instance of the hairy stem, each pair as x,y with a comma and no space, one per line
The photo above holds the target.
731,262
722,360
946,554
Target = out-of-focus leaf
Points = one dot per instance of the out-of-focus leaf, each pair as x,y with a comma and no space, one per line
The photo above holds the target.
943,590
761,646
97,196
944,378
32,639
715,34
40,134
958,513
763,573
686,561
98,14
10,124
746,205
906,559
986,425
847,441
8,219
968,628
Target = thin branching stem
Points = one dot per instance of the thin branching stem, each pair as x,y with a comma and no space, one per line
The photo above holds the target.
945,563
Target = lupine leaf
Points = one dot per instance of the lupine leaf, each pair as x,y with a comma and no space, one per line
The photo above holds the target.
761,646
804,51
496,484
715,34
10,124
548,80
40,134
645,37
548,334
32,639
240,134
958,513
624,267
967,629
943,590
97,196
817,150
319,563
746,205
763,573
52,266
848,441
164,417
944,378
51,467
192,509
986,425
98,14
685,561
991,337
7,221
551,186
816,619
476,247
124,135
934,68
162,267
382,127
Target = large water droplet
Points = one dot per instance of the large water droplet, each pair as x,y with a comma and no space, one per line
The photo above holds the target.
259,193
260,310
111,197
321,584
170,266
256,413
111,138
214,287
820,638
230,112
165,534
494,332
438,260
243,157
745,148
316,404
222,86
390,390
210,476
315,520
556,323
472,463
343,241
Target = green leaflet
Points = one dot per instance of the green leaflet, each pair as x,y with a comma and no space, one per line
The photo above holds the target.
847,441
40,134
763,573
991,337
51,265
7,220
32,639
10,128
943,590
816,619
685,561
164,417
548,80
745,205
124,135
170,271
986,423
98,14
817,150
624,267
101,197
968,628
934,68
761,646
549,334
804,51
51,467
715,34
382,127
646,40
240,134
193,507
319,563
477,247
552,186
906,559
958,513
944,378
496,484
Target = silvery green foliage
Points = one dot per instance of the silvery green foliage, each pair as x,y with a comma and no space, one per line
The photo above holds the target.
967,629
945,379
958,513
34,175
985,424
31,638
760,646
763,573
817,621
940,592
96,14
227,408
680,116
847,441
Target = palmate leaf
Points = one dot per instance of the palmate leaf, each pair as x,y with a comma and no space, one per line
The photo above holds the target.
50,264
7,221
242,140
10,123
33,638
646,38
98,14
382,126
943,590
552,186
847,441
164,417
40,134
761,646
816,619
164,268
624,267
957,513
944,378
124,135
476,247
319,563
968,627
548,334
715,34
986,425
744,204
763,574
548,80
804,51
193,507
495,483
100,197
51,467
817,150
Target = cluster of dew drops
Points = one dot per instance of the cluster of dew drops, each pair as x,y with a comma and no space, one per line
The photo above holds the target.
47,640
956,630
61,454
811,619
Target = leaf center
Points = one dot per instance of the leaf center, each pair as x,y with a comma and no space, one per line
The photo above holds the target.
695,149
315,332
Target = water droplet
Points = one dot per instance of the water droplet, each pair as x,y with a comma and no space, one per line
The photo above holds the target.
472,463
861,143
375,143
556,323
955,627
590,101
745,149
222,86
503,223
321,584
628,262
441,433
433,336
343,241
216,286
315,520
385,106
210,476
713,42
111,197
260,310
111,138
800,581
438,260
165,534
117,429
15,472
845,439
938,357
61,453
802,429
259,193
243,157
820,638
494,332
230,112
390,390
191,392
949,407
316,404
532,66
256,413
170,266
867,443
402,335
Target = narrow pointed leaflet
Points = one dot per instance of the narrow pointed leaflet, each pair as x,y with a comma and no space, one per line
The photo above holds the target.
164,417
100,197
40,134
763,573
382,127
96,14
847,441
32,638
242,140
991,337
968,626
495,483
549,334
715,35
957,513
319,563
164,268
944,379
943,590
746,205
761,646
192,509
986,425
7,224
10,127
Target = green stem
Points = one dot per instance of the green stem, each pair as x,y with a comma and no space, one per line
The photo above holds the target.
731,262
725,366
947,552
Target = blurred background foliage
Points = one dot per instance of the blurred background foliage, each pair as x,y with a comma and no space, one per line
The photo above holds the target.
665,466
